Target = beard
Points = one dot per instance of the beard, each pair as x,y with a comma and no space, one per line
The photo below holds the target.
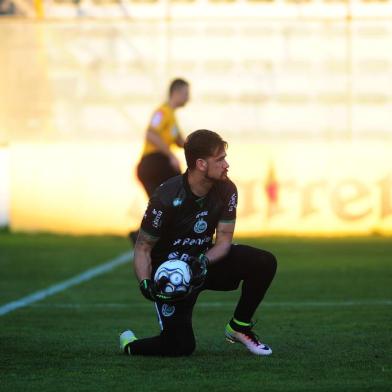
223,176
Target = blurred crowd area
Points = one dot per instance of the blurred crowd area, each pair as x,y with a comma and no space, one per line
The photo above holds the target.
192,2
7,7
120,7
264,70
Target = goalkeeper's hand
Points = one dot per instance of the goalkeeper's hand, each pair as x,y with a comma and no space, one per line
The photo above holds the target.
148,289
152,292
199,266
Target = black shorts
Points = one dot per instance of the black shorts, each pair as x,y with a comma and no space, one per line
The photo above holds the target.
153,170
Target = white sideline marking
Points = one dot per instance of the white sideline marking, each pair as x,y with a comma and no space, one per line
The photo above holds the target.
64,285
302,304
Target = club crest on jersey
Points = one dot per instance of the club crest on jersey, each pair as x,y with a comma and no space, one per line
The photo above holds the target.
200,226
177,202
168,310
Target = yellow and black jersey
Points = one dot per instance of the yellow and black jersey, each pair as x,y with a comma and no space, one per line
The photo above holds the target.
164,123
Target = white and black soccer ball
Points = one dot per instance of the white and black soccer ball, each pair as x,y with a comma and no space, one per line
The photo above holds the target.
175,275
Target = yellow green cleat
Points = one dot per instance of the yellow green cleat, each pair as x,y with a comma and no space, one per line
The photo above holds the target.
126,338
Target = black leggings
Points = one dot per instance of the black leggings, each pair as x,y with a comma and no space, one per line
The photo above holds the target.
255,267
153,170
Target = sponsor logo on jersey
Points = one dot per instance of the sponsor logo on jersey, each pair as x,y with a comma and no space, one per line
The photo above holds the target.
168,310
177,202
174,255
192,241
203,213
233,202
156,119
184,257
200,226
157,220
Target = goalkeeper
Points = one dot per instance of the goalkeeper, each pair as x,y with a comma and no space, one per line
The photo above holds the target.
181,219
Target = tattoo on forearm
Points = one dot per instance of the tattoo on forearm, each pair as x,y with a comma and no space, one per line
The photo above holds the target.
145,239
224,231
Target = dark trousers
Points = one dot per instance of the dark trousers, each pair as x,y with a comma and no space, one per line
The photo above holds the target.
254,267
154,169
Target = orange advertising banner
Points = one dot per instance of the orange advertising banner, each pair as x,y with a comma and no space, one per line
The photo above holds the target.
314,188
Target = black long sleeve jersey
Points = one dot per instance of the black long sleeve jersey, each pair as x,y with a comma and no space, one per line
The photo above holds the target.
183,223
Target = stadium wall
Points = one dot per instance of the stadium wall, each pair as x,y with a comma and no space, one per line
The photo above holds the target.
294,188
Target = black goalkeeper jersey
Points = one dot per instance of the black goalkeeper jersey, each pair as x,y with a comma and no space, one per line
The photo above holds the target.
184,223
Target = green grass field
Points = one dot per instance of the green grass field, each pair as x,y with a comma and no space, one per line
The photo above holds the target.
327,316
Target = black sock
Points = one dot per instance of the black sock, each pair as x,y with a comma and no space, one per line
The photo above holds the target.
261,268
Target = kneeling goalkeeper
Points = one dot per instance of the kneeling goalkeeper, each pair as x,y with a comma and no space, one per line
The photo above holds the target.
181,219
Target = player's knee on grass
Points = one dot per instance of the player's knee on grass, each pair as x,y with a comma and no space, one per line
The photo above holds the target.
165,344
179,342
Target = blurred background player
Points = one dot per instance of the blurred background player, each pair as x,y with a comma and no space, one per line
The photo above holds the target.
158,162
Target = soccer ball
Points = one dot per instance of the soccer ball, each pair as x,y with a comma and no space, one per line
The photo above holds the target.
174,275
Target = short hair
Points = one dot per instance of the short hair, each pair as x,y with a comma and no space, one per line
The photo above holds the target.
202,144
177,84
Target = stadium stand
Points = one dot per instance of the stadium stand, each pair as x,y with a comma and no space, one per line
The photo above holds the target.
7,7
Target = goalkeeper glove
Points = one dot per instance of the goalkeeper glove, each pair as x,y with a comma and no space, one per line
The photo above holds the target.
148,290
152,292
198,267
